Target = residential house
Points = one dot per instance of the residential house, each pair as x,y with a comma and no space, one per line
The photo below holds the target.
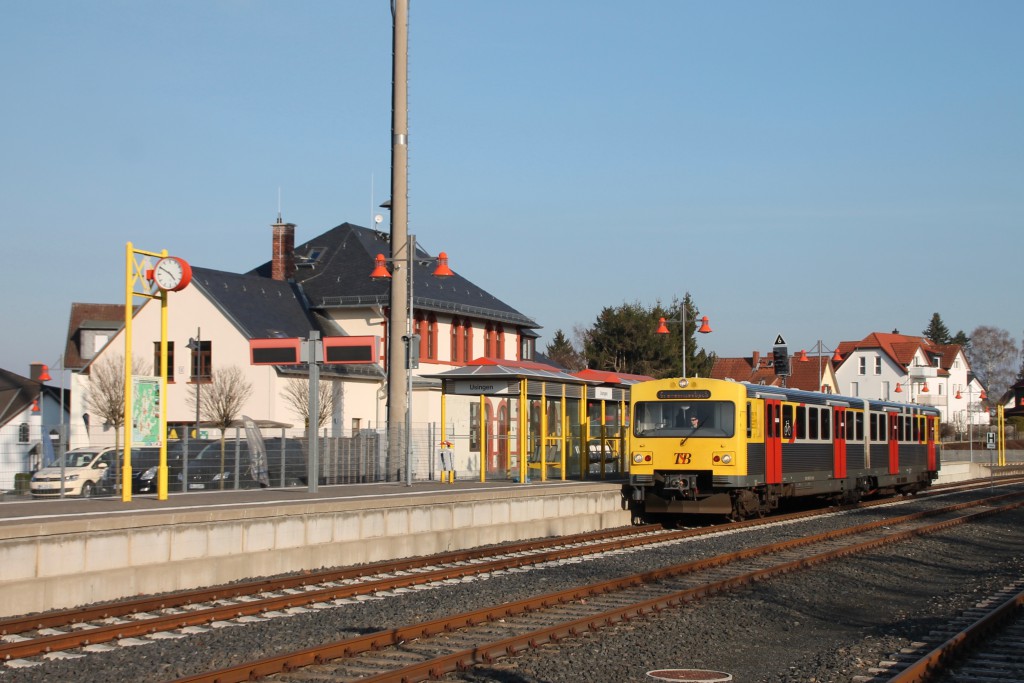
898,367
30,420
322,285
90,327
807,372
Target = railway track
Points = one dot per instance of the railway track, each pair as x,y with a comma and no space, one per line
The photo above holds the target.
91,627
982,645
73,633
429,650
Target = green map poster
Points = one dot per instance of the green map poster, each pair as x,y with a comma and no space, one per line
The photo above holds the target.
146,411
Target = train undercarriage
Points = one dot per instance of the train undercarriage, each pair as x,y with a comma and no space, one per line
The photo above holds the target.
672,495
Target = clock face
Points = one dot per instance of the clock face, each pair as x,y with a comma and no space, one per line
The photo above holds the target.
172,274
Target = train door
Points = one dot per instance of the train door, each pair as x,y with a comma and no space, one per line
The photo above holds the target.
894,443
932,426
839,445
773,442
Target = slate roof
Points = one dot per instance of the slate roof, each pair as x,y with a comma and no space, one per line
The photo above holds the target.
261,307
333,271
493,368
16,394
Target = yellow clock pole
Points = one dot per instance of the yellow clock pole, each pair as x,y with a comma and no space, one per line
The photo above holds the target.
139,281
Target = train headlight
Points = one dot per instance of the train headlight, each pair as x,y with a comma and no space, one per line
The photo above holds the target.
722,458
638,458
726,459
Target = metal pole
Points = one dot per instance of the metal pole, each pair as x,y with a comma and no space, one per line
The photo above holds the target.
199,375
682,325
398,380
409,364
313,473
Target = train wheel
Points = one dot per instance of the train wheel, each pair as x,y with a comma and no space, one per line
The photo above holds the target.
745,504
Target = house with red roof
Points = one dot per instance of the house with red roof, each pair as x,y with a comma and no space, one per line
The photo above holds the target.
882,366
899,367
810,372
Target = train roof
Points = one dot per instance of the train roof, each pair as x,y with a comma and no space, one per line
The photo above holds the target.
816,397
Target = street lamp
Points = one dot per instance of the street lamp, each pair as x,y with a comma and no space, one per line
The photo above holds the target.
970,415
411,340
836,358
683,319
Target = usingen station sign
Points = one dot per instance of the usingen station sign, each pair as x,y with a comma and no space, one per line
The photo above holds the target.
476,387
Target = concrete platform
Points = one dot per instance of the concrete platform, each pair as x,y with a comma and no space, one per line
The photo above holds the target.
63,553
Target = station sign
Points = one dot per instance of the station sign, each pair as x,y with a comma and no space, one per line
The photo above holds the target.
286,351
336,350
351,350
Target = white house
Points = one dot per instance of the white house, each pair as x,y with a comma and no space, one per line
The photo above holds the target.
30,422
324,286
897,367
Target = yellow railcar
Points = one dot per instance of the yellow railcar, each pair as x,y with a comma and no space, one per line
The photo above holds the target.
717,447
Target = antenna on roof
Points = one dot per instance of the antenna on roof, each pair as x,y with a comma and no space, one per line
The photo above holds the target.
278,203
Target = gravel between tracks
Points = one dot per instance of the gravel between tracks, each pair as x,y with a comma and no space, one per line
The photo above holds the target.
821,625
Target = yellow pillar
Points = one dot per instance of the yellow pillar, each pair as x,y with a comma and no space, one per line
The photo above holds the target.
126,470
523,423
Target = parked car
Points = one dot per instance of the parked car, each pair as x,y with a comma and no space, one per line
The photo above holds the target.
205,472
146,463
87,472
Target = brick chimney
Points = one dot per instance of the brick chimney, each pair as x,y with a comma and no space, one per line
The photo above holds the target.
282,264
756,359
35,371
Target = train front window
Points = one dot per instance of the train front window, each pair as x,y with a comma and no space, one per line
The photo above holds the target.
684,418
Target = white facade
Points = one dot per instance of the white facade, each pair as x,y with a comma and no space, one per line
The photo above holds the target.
873,374
360,403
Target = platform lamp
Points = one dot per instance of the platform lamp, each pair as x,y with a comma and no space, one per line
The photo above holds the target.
970,415
923,390
683,317
380,272
836,358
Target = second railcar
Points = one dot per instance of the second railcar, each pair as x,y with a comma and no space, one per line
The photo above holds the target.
719,447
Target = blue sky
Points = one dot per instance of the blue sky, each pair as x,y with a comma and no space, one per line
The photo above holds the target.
820,170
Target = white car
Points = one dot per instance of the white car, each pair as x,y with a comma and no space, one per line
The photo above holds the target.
87,471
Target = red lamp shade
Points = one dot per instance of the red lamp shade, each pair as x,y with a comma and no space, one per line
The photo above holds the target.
380,271
35,405
924,388
44,376
958,396
442,269
836,358
662,327
704,327
899,388
983,396
802,356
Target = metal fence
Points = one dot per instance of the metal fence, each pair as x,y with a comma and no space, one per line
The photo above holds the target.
207,463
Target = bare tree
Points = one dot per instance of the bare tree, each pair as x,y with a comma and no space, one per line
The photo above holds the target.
105,397
222,402
993,355
296,395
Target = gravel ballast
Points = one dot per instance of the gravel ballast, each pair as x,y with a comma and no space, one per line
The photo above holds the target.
830,623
